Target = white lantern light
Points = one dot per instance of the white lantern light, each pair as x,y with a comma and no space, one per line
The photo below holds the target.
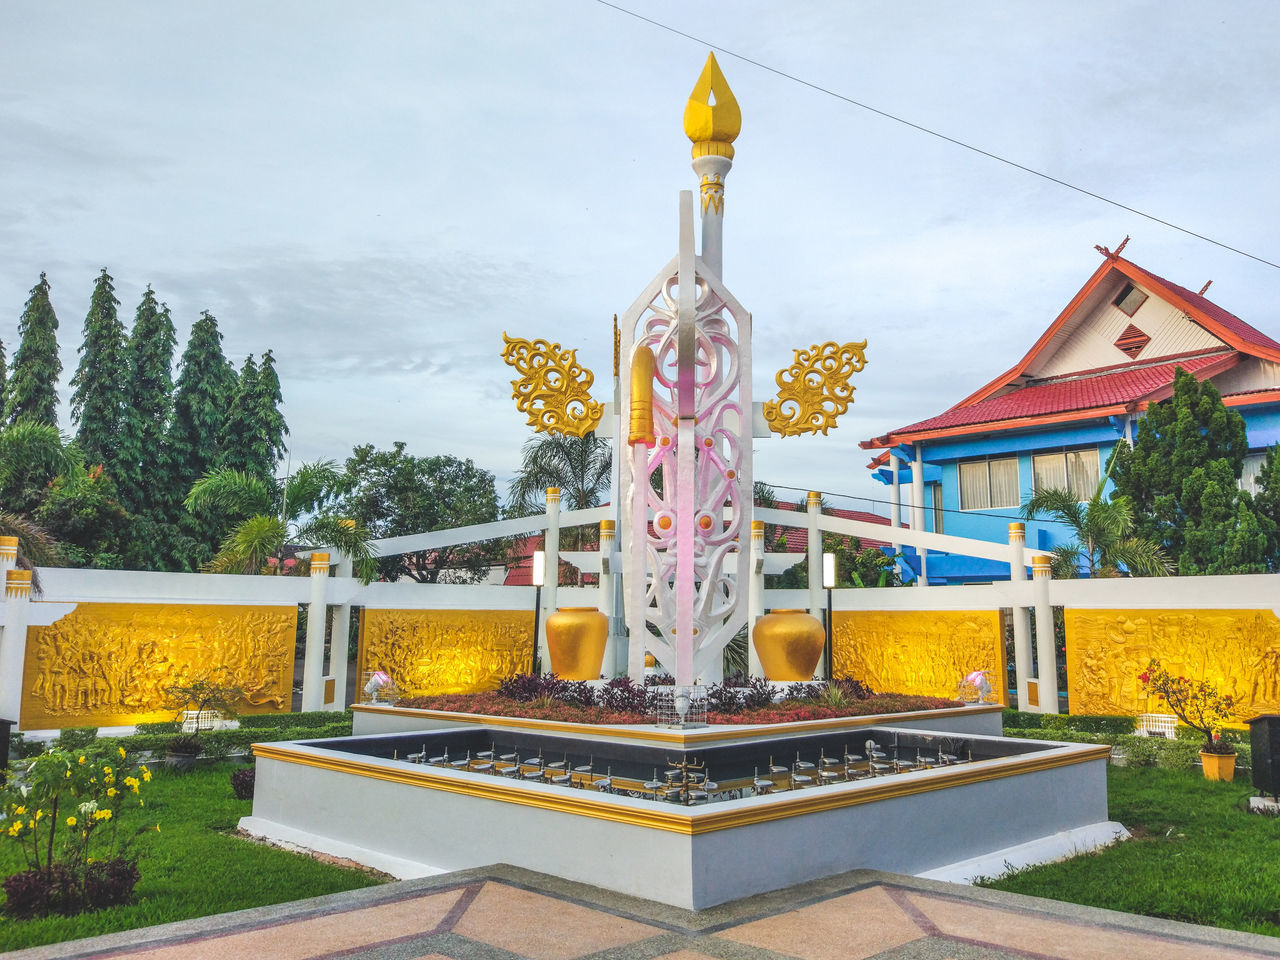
539,568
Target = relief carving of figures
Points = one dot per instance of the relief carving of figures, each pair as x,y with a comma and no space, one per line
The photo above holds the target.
918,652
1237,650
431,652
108,664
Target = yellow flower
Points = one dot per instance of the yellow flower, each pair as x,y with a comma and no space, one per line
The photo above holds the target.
108,780
82,759
111,791
19,811
102,815
107,771
120,750
71,821
68,774
39,814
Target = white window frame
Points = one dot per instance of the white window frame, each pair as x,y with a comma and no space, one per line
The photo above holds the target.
988,505
1066,469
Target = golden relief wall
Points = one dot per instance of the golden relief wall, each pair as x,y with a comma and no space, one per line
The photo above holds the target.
1237,650
108,664
429,652
918,652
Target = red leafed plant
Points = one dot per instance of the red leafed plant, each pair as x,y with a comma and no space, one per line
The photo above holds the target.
1196,703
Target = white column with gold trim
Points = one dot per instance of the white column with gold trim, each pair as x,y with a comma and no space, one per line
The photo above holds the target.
317,614
13,645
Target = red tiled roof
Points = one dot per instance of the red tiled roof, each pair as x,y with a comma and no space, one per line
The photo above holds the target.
1077,391
1229,321
797,538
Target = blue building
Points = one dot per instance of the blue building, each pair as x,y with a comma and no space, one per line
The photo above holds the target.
1053,418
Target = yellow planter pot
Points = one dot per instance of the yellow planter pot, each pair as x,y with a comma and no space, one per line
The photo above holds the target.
575,640
1218,766
789,644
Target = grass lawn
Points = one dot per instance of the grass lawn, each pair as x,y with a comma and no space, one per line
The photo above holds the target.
1197,855
192,866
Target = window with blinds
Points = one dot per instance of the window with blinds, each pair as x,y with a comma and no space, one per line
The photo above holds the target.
1073,470
986,484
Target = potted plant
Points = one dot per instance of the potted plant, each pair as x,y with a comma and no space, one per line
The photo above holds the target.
1198,704
181,752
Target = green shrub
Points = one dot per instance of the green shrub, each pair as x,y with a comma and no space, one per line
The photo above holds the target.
164,726
76,738
1138,751
20,748
1066,736
1055,722
312,718
1021,720
1178,754
1102,723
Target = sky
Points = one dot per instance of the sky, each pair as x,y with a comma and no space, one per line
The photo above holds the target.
377,192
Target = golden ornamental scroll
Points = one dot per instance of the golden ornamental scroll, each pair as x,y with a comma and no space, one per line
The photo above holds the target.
918,652
108,664
430,652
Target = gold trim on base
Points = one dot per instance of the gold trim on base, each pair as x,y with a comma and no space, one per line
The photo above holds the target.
813,800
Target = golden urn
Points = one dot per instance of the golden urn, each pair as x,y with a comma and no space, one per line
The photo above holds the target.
789,644
575,640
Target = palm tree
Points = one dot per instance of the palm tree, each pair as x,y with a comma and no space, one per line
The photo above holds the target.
1104,540
580,466
298,510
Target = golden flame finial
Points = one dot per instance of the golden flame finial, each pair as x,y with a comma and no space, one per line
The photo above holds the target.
712,119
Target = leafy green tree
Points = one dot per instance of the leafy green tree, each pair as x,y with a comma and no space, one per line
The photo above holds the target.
202,394
394,494
31,391
101,379
3,376
1190,430
1105,543
81,511
273,515
141,470
1267,503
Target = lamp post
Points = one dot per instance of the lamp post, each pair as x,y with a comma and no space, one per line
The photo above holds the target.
539,577
829,582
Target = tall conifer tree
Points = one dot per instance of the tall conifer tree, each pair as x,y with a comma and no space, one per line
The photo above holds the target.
32,389
141,473
206,384
98,397
270,419
240,444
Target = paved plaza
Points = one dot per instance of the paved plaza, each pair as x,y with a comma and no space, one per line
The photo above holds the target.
501,912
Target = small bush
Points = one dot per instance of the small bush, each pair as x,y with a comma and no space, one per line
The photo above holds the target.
1022,720
577,692
38,893
724,698
164,726
853,689
1138,751
184,745
1178,754
660,680
804,691
1102,723
622,695
76,738
20,748
310,718
242,782
109,883
758,693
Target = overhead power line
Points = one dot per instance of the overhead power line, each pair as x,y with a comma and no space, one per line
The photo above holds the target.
934,133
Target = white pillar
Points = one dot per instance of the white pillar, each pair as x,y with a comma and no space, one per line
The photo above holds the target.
814,506
1021,634
13,646
551,545
1048,672
712,170
608,537
755,608
313,662
340,642
917,511
8,560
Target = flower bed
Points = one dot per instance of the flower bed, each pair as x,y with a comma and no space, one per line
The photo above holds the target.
621,702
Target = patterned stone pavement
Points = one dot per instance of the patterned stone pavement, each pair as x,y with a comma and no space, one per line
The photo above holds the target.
502,912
